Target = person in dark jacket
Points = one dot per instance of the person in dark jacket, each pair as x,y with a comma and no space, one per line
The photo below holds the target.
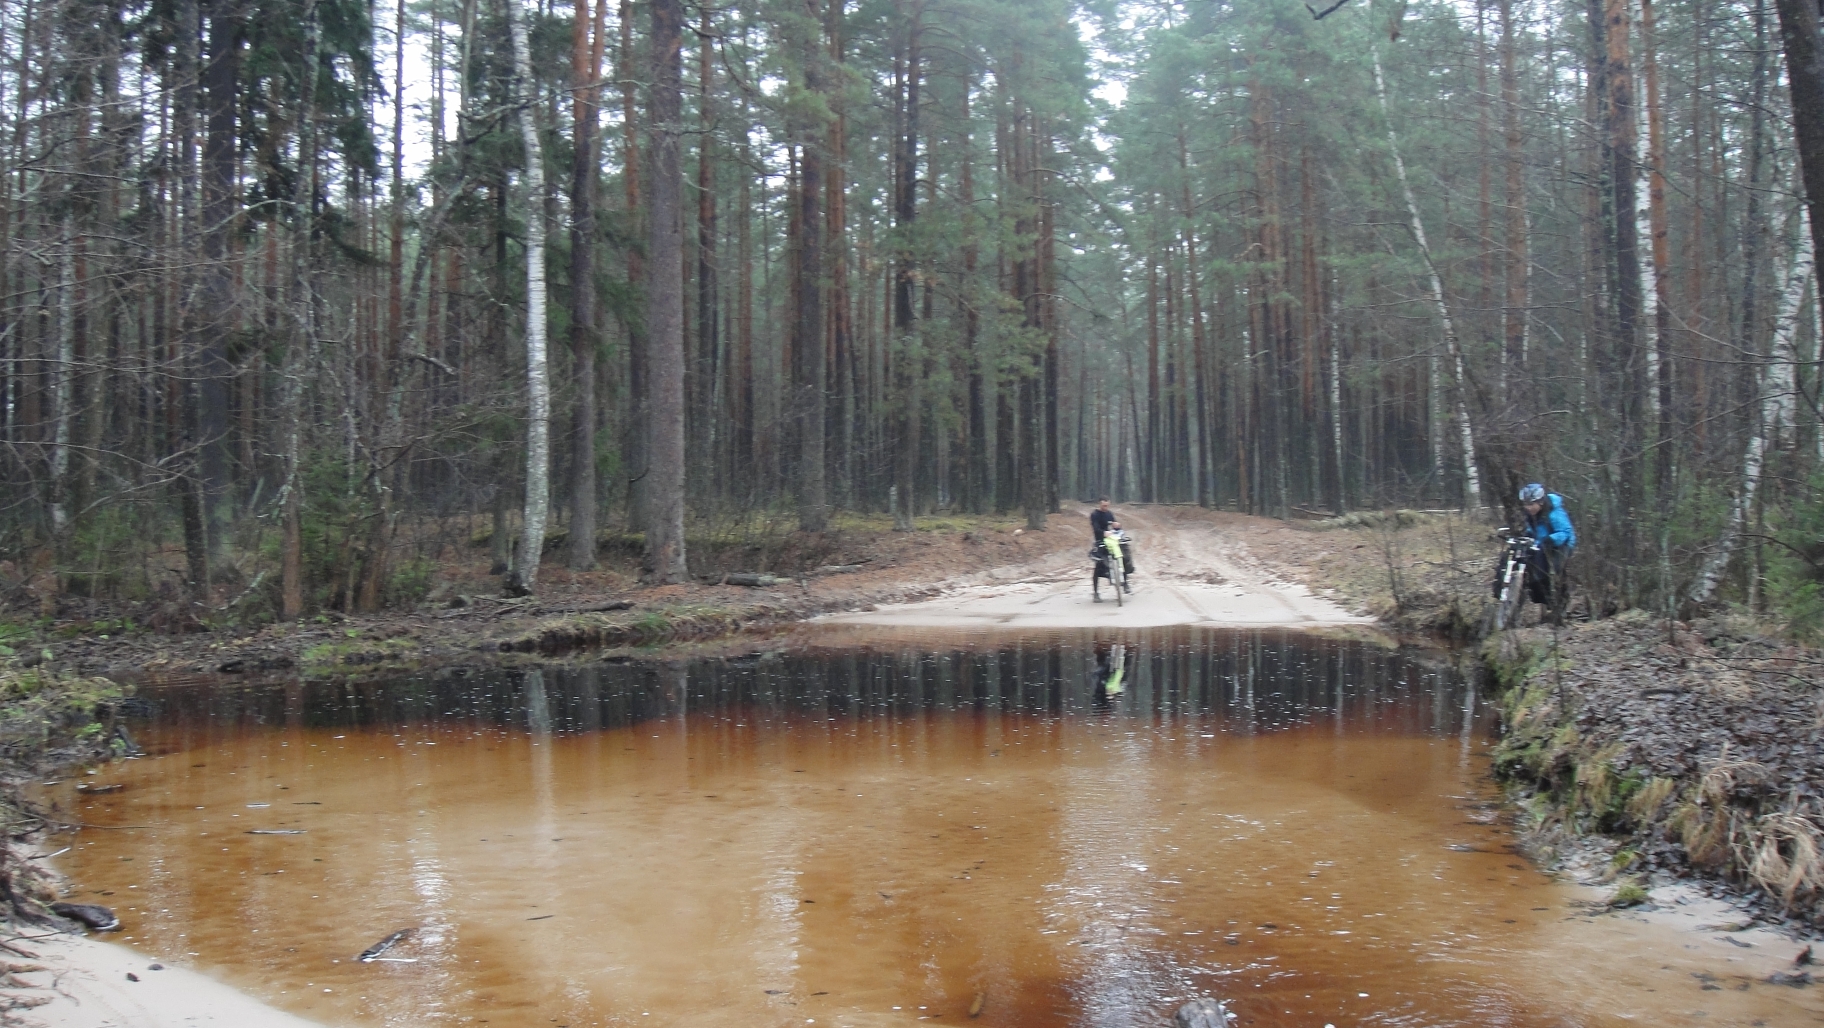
1102,521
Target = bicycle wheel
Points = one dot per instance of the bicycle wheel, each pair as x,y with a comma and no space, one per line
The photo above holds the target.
1117,577
1507,608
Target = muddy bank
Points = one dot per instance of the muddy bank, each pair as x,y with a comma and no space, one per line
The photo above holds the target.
50,723
1641,750
62,726
1195,566
465,619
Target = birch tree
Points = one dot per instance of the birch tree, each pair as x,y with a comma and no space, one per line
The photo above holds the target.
523,578
1774,408
1472,486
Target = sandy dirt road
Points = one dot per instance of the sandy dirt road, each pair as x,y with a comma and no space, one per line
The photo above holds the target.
1188,572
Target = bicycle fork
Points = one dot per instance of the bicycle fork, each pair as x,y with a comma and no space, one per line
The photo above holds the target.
1511,584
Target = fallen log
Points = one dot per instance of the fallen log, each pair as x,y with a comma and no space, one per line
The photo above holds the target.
752,579
99,918
592,608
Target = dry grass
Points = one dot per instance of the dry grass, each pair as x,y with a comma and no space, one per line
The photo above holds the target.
1784,854
1419,571
1645,805
1726,775
1596,778
1709,826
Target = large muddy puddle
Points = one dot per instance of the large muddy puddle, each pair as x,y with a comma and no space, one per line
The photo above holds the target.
857,833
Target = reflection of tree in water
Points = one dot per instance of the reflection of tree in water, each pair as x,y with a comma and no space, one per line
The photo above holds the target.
1110,674
1248,681
538,703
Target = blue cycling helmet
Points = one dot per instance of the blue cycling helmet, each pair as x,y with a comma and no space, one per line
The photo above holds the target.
1532,492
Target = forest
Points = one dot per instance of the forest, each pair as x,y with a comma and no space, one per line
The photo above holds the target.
299,296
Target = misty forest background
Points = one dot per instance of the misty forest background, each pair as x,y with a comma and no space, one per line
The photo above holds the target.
300,296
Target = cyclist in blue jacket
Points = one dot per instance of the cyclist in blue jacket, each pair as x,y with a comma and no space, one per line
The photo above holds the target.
1553,540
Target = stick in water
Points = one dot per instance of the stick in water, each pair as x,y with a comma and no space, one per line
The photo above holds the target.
372,953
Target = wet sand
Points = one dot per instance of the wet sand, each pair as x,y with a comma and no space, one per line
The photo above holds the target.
1318,843
85,984
1187,573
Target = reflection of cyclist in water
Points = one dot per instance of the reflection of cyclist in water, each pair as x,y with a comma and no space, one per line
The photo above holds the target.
1111,669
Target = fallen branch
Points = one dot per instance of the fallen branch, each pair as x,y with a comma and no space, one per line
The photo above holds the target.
593,608
752,579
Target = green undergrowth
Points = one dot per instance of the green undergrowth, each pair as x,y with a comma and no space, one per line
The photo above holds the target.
848,521
42,712
48,721
1632,892
365,654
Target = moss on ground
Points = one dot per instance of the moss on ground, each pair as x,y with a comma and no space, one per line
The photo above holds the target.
655,627
1632,892
47,721
365,654
42,711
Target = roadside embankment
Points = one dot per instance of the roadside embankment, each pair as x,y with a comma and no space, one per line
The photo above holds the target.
1692,750
1636,749
49,722
464,618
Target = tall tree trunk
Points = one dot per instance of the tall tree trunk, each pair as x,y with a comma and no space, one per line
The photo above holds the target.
1621,130
303,345
1472,491
1199,360
1661,256
638,437
585,69
908,351
523,579
977,479
842,411
665,559
63,375
1802,31
1046,280
742,393
221,85
1782,377
810,369
1755,231
1029,380
1150,464
705,364
183,400
1515,316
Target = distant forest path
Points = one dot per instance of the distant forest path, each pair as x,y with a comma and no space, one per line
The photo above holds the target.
1192,567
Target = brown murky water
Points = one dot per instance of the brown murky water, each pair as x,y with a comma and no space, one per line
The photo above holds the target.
843,835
